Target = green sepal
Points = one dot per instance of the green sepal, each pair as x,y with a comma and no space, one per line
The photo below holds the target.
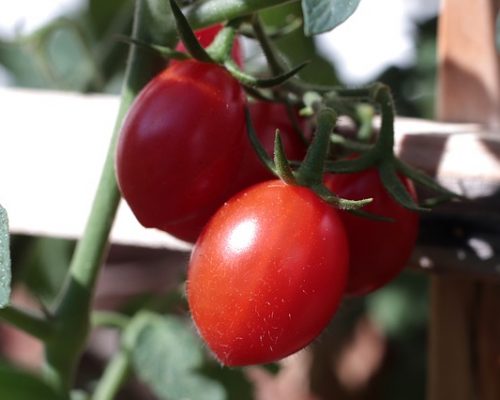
280,161
369,215
361,163
343,204
187,35
395,187
257,146
426,181
252,81
259,94
165,52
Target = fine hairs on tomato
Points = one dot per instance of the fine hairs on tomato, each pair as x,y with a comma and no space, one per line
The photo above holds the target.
181,144
267,273
379,249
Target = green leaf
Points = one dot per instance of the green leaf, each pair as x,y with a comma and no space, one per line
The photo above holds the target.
167,356
5,273
324,15
18,384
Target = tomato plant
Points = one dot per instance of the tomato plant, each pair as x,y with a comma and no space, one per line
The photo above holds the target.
267,273
379,250
183,135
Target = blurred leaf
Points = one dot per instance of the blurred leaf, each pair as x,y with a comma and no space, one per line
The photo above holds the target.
17,384
22,65
402,306
42,264
324,15
167,356
5,273
102,13
297,48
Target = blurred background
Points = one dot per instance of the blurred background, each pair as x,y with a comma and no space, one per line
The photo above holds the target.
375,348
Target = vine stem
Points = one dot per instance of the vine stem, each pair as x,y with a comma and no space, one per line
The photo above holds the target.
152,23
72,312
114,376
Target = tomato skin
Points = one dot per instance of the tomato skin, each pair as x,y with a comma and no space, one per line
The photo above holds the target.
267,273
379,250
174,160
206,36
266,118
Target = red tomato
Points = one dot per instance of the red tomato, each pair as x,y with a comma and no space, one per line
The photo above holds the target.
267,273
266,118
379,250
206,36
181,144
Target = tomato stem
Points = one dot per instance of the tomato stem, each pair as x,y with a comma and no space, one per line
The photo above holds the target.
310,172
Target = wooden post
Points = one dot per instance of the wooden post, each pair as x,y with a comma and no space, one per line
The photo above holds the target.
465,315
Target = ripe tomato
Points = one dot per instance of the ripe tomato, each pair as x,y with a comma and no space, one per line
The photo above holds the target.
267,273
206,36
379,250
181,144
266,118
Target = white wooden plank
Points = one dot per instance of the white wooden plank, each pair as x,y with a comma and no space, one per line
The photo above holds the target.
53,145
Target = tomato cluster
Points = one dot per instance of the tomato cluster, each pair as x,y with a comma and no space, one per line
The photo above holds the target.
272,261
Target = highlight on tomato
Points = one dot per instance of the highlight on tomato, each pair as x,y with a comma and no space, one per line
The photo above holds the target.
379,249
267,273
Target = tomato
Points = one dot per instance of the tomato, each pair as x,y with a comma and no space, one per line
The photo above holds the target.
206,35
181,144
379,250
266,118
267,273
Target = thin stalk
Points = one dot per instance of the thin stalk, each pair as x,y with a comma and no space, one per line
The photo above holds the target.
72,313
27,321
114,376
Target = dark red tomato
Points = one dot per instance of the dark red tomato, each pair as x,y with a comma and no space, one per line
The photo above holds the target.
378,250
267,273
266,118
206,36
181,144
